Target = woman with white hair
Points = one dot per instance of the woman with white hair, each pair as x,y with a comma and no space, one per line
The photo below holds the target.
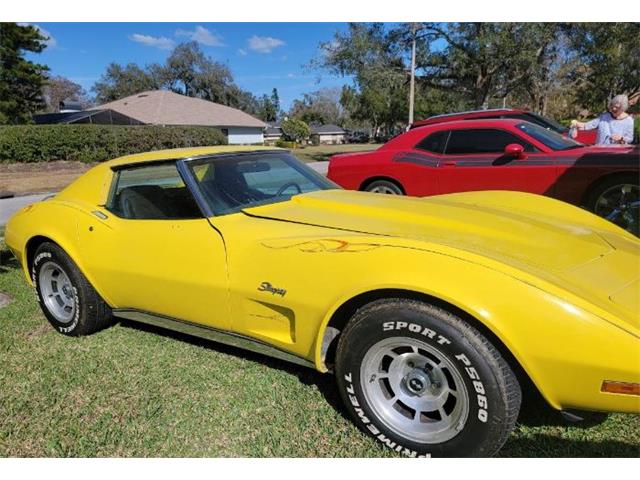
614,126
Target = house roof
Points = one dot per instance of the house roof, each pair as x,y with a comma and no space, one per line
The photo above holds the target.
162,107
326,130
101,117
273,130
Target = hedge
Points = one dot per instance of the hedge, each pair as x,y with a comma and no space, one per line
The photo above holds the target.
286,144
96,143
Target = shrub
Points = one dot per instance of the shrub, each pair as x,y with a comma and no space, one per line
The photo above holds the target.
96,143
294,129
286,144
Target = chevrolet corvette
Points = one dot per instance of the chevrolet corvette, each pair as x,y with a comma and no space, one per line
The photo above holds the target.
432,313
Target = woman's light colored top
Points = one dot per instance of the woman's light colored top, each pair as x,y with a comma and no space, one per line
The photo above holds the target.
608,126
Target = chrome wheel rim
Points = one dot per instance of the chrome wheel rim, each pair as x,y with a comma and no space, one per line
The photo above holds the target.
414,390
57,292
620,204
384,189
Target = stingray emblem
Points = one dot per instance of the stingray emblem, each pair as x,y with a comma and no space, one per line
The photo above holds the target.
267,287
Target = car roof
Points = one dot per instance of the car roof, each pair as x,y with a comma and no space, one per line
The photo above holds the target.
473,123
181,153
448,117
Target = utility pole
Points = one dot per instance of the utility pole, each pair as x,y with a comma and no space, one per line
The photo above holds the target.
414,29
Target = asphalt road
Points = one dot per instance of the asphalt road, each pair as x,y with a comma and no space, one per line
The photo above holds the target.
8,206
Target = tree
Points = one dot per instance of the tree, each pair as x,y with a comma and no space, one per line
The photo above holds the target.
267,109
608,63
121,81
275,99
374,59
483,60
21,80
295,130
58,89
322,106
187,71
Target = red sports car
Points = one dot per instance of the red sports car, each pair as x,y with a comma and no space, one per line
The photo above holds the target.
499,155
587,137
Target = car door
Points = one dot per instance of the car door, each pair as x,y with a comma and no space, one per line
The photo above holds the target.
150,248
475,159
419,172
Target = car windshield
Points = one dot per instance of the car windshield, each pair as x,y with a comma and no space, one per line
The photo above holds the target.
549,122
551,139
230,183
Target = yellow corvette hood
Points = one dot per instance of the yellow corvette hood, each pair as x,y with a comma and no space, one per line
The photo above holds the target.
542,236
531,238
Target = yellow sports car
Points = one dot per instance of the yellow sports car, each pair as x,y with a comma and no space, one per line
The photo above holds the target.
431,312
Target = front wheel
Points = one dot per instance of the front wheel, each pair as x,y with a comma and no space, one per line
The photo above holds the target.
424,382
618,200
65,295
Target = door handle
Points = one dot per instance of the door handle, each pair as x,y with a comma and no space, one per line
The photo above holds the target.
449,163
100,215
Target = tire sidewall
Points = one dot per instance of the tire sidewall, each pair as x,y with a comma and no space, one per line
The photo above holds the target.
386,183
47,253
473,365
599,189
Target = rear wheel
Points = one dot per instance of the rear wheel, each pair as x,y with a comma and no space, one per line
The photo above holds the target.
618,200
65,296
384,186
424,382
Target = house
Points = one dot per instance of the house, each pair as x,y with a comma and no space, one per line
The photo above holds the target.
272,133
328,134
162,107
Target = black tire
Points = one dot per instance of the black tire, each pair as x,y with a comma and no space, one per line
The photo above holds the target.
89,312
627,217
487,382
384,186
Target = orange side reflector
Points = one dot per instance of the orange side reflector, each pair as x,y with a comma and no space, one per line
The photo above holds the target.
623,388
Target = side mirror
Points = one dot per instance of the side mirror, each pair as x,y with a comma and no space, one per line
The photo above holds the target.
514,150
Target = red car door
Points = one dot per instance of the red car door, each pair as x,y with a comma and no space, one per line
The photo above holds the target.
475,159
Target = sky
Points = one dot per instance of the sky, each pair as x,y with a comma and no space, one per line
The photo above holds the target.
261,56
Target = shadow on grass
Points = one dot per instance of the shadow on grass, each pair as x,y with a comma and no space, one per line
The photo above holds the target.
325,383
7,261
547,445
535,411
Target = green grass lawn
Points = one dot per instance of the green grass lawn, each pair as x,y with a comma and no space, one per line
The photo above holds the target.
321,153
135,391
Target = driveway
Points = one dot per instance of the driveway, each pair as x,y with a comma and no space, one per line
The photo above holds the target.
8,206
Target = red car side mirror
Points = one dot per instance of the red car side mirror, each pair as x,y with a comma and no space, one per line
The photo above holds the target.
514,150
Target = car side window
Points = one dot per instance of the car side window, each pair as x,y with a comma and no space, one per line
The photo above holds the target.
483,140
152,192
435,142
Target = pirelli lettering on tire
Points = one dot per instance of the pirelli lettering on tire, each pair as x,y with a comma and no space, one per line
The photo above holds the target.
372,428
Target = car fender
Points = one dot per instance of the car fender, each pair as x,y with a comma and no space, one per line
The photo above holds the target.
32,221
545,339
